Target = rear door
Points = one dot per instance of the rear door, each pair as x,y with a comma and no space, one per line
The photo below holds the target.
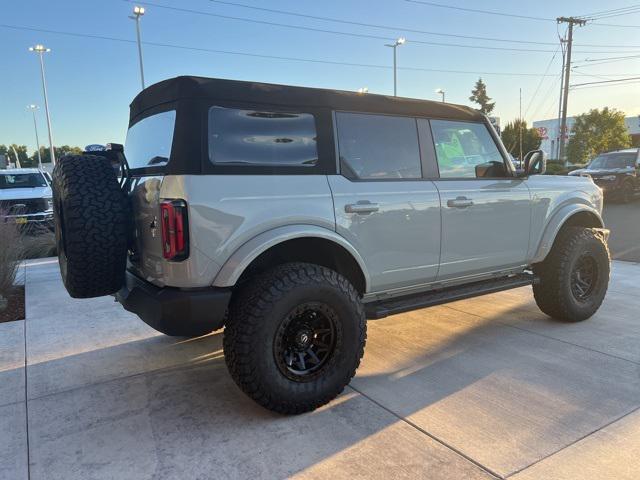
383,205
485,211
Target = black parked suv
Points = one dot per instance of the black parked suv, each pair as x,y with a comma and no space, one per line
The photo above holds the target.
617,173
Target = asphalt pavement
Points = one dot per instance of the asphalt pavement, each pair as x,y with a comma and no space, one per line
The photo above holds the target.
624,222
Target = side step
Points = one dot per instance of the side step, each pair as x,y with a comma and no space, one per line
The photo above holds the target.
391,306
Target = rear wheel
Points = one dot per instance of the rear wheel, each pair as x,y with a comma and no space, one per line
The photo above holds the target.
91,219
573,279
294,337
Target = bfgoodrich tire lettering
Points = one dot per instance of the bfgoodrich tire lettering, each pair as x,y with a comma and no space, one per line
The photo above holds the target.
91,217
573,279
254,335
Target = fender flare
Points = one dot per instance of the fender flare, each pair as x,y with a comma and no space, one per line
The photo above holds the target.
236,264
558,219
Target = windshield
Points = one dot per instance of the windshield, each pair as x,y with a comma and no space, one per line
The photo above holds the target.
22,180
613,160
149,141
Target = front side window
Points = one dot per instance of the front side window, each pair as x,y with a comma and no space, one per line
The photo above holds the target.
466,150
262,138
149,141
378,146
22,180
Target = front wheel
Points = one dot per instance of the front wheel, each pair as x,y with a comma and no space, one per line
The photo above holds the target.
573,279
294,337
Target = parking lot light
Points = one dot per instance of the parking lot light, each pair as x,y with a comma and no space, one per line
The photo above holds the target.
41,50
395,45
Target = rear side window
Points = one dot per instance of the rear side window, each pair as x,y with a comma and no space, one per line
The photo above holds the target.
149,140
378,146
463,146
261,137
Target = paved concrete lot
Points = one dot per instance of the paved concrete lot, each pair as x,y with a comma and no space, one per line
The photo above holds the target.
481,388
624,222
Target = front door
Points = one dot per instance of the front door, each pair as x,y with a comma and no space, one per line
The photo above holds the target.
486,212
383,206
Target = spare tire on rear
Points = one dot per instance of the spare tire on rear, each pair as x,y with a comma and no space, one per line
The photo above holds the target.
91,218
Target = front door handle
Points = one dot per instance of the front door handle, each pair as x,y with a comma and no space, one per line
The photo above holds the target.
460,202
363,207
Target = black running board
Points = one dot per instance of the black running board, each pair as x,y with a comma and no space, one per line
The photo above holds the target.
382,308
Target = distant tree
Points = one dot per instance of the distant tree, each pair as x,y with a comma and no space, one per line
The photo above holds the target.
596,132
59,152
479,96
511,138
10,152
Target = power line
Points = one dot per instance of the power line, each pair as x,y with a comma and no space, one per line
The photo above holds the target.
349,34
334,32
542,79
266,56
373,25
611,12
511,15
485,12
604,81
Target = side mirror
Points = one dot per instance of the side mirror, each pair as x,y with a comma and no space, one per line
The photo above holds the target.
535,162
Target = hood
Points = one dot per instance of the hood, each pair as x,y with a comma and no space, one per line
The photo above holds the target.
24,193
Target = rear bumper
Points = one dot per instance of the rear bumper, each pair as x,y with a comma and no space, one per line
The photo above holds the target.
173,311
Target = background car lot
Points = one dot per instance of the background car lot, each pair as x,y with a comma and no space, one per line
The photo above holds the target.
475,389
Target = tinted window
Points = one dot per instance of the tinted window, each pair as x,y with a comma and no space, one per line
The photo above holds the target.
22,180
149,141
463,146
614,160
378,146
258,137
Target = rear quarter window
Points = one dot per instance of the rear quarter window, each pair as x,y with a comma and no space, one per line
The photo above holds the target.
262,138
149,140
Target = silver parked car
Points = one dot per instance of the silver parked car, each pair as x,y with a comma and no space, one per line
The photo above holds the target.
291,215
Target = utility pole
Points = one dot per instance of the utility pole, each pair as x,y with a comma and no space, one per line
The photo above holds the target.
567,70
558,134
520,126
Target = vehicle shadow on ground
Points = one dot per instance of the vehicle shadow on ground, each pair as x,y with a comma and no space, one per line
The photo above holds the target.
162,406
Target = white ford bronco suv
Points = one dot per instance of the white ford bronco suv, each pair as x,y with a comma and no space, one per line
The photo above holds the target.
291,215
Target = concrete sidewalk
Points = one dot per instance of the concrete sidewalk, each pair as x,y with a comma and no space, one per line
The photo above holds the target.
481,388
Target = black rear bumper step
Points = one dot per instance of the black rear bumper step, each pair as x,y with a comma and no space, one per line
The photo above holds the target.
383,308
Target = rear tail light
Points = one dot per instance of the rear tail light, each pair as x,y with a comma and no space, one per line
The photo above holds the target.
175,229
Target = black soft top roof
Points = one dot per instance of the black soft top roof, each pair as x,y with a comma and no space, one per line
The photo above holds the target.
208,89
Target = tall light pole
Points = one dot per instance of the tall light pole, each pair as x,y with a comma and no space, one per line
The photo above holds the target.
441,92
395,45
41,50
33,109
137,13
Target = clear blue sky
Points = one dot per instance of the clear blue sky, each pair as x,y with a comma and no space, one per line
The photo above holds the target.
92,81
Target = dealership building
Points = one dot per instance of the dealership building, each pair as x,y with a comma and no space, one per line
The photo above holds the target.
549,132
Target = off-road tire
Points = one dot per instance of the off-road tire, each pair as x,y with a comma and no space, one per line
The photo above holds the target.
553,290
259,310
91,216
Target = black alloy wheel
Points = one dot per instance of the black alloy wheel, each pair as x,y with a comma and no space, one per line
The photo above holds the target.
584,277
306,340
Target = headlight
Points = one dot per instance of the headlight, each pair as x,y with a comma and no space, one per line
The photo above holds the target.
49,203
608,177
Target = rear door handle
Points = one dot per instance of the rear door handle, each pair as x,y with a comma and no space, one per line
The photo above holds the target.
362,207
460,202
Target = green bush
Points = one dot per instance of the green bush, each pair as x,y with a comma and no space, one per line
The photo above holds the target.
555,168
